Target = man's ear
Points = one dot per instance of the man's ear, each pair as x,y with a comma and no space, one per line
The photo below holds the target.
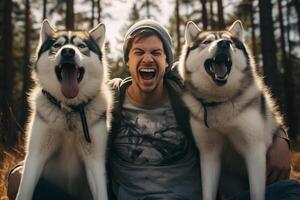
237,30
47,30
98,34
191,32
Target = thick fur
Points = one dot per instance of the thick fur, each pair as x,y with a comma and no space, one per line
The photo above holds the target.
57,150
238,108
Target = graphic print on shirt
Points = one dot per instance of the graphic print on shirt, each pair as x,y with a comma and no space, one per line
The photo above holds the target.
150,138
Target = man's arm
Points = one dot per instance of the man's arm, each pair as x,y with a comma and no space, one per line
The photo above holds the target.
278,158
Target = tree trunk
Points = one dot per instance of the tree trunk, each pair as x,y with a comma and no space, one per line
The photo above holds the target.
99,11
26,70
148,9
282,36
178,34
253,37
204,14
70,15
44,9
297,8
288,28
211,13
221,14
268,47
8,131
93,14
288,76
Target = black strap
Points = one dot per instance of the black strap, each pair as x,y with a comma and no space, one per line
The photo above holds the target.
84,124
77,108
205,105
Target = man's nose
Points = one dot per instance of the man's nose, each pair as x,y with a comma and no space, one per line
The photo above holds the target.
147,58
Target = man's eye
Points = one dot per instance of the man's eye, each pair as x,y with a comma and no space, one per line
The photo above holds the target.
81,46
57,45
156,53
138,53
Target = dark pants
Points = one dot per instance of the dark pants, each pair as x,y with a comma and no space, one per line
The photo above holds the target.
47,191
281,190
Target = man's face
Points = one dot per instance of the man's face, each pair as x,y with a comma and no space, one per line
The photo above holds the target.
147,63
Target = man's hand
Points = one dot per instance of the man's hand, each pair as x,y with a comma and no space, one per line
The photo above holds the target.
278,161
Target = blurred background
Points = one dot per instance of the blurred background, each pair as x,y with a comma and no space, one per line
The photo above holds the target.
272,33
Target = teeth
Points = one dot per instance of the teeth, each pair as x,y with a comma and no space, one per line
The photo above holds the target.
219,78
147,70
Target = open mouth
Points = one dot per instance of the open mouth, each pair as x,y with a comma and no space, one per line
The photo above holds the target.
147,73
219,68
69,75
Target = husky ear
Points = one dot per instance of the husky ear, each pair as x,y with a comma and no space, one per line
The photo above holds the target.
237,30
191,32
46,31
98,34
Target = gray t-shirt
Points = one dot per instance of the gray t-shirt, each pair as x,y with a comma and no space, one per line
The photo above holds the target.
152,158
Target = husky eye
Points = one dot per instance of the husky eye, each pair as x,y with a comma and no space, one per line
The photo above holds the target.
81,46
206,41
57,45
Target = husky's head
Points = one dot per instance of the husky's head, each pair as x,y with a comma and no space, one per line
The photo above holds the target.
214,62
70,63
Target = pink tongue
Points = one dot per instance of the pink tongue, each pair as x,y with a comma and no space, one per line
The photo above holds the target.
219,69
69,84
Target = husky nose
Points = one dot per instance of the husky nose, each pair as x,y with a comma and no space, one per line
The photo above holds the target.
224,44
68,52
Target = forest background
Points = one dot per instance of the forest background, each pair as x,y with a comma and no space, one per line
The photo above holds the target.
272,33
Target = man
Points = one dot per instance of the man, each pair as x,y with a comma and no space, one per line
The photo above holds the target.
152,154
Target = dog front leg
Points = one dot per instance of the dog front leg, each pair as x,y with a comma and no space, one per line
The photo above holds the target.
32,171
95,170
251,141
210,145
93,155
256,164
39,150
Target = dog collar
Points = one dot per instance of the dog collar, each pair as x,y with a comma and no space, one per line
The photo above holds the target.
191,88
75,108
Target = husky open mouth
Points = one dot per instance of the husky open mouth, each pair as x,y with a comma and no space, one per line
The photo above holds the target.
69,75
219,68
147,73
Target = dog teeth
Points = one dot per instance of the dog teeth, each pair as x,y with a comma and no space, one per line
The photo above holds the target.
147,70
223,78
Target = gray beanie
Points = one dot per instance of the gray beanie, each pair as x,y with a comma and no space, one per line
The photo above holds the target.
159,29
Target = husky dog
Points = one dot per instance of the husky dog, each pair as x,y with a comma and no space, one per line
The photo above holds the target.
70,99
227,100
